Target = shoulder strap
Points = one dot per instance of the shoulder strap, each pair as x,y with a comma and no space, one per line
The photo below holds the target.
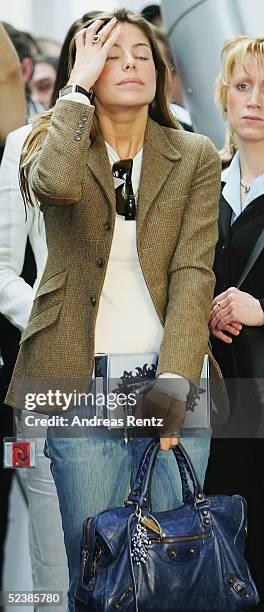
255,253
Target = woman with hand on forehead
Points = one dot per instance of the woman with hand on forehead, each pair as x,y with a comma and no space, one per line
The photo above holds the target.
237,317
123,276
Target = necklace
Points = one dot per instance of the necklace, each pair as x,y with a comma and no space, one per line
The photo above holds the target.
245,187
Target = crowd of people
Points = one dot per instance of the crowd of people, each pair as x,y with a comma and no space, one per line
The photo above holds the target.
78,279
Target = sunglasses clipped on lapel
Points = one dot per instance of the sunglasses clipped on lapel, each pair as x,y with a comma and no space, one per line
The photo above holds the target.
125,199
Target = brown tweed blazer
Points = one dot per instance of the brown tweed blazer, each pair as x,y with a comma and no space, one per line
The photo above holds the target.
176,237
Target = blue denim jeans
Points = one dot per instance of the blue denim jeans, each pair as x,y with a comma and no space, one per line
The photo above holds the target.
93,472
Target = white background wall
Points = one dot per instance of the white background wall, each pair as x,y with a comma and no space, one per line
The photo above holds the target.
252,16
53,17
17,12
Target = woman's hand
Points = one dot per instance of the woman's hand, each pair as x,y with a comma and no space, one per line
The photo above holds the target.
168,443
168,411
91,57
232,309
234,329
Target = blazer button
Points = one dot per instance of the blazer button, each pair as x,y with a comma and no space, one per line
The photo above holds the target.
93,300
100,262
107,226
223,247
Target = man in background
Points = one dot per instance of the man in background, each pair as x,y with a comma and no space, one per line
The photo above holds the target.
24,48
12,96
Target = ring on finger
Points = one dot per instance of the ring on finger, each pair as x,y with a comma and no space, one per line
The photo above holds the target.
96,39
222,307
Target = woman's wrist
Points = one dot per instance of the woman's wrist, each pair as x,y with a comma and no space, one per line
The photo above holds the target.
73,89
76,79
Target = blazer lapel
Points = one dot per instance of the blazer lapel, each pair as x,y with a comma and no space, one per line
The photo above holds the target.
98,162
225,214
159,156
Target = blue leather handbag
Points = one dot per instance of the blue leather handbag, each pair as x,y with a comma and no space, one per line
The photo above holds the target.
190,558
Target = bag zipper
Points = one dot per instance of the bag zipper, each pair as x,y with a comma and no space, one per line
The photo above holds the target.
171,539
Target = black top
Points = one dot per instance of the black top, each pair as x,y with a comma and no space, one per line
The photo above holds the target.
235,245
233,249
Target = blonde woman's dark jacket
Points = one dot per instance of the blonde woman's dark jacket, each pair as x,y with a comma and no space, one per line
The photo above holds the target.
176,237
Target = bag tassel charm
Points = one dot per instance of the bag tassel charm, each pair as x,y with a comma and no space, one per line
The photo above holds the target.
140,541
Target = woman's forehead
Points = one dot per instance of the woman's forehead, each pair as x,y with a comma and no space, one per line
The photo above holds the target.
250,65
133,34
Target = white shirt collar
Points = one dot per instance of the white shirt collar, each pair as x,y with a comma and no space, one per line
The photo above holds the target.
231,191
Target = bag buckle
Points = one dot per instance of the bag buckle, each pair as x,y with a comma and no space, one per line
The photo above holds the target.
199,503
202,504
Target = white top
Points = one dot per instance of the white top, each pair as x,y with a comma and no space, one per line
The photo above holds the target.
16,296
231,191
127,321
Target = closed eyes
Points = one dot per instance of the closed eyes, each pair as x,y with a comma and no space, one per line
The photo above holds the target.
116,57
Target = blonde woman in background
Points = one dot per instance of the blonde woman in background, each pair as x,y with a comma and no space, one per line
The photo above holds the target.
237,318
